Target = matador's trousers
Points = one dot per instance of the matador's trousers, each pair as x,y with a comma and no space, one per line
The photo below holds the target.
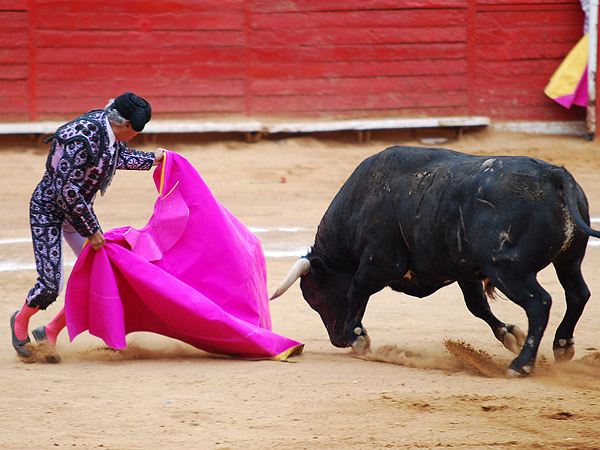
47,231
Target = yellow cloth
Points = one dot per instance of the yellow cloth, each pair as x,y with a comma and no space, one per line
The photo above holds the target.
567,76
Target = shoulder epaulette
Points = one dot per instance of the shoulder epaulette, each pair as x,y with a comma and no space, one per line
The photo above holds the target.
87,129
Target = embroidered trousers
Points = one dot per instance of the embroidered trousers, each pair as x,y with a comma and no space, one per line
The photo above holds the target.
47,232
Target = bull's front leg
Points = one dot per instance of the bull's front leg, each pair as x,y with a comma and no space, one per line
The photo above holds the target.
373,274
354,329
378,265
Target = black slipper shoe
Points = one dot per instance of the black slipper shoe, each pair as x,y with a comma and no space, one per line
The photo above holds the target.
39,334
19,345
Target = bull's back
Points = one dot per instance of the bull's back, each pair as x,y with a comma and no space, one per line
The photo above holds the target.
390,168
379,194
455,210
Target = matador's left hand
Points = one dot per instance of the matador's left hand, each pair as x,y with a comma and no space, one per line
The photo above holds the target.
158,156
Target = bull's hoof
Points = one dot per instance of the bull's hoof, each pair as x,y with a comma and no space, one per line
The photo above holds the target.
362,345
513,338
564,350
524,371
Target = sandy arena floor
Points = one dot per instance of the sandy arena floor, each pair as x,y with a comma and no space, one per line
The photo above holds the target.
162,394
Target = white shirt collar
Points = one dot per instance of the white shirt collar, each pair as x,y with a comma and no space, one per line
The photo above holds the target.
111,134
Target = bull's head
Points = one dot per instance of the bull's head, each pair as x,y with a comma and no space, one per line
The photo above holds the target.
326,291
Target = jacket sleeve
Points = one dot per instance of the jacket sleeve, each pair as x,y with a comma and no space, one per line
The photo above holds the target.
70,176
131,159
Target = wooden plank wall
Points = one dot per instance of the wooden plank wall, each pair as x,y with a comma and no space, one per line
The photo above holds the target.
298,58
518,46
312,59
14,60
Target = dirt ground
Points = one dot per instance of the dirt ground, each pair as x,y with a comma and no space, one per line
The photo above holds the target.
409,393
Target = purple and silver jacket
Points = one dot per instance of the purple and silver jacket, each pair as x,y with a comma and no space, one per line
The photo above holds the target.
81,162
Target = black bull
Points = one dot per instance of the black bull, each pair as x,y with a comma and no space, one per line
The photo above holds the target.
417,219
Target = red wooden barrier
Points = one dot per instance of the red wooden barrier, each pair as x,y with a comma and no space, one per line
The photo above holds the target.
302,58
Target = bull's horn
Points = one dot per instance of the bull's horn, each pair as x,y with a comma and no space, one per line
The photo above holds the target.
301,267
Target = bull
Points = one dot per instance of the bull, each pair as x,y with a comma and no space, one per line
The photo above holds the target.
418,219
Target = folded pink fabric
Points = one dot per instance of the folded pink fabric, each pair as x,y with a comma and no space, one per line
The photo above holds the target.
194,273
569,84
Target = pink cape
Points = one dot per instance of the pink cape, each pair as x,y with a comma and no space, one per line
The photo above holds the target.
194,273
569,84
579,96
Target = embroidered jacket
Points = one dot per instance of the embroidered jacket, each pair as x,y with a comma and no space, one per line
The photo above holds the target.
80,163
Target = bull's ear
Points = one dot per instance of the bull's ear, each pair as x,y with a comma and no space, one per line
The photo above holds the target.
318,268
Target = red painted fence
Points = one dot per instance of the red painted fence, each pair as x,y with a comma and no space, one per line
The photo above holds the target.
296,58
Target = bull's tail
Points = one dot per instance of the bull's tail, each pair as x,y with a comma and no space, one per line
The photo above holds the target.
572,191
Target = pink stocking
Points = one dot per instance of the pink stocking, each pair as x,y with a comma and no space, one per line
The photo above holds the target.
22,321
56,326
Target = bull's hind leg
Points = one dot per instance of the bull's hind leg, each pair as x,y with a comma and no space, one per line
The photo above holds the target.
577,295
527,293
511,336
